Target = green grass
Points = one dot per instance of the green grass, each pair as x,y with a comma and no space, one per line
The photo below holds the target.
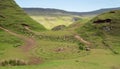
52,50
97,59
60,36
9,46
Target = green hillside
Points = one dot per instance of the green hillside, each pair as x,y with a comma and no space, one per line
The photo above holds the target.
103,31
14,25
12,17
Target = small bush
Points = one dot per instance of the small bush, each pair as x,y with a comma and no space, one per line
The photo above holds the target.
81,46
13,62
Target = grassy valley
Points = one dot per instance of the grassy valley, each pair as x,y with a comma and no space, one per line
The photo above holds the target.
86,42
51,18
51,21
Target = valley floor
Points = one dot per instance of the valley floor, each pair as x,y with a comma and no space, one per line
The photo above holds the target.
58,54
95,59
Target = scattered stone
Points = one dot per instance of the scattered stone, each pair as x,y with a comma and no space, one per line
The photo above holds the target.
87,48
106,28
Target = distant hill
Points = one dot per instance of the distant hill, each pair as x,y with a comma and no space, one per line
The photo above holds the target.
96,12
39,11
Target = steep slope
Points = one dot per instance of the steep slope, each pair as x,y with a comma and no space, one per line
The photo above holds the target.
12,17
14,25
103,31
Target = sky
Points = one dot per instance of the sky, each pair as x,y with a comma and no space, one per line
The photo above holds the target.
70,5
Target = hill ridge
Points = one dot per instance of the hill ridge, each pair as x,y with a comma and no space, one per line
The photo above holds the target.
53,11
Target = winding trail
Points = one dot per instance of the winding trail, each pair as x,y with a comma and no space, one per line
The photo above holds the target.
29,44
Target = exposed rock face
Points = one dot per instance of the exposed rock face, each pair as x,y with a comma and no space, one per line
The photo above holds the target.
112,11
103,21
25,25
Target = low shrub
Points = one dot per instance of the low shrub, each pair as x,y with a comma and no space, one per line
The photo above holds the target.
81,46
13,62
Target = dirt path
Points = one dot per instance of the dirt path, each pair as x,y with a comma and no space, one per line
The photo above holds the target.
82,40
30,43
11,32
